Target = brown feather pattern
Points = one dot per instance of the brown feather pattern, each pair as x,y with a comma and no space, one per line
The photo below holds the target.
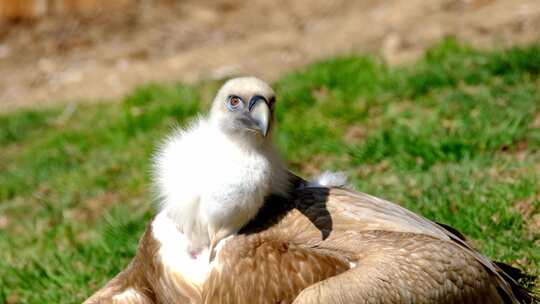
301,250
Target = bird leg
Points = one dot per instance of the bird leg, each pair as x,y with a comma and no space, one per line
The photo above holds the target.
214,240
212,250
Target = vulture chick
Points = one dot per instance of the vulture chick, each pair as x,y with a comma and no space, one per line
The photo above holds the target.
214,175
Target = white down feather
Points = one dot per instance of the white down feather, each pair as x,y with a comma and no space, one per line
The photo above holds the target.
208,181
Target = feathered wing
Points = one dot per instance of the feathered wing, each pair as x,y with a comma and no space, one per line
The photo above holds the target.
405,268
459,265
115,292
266,269
393,252
331,246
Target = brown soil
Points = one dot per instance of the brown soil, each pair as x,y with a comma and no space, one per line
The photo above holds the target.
104,55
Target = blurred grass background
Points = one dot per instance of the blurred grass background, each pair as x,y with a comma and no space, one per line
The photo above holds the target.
454,136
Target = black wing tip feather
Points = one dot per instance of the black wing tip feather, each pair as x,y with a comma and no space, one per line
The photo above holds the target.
521,283
452,230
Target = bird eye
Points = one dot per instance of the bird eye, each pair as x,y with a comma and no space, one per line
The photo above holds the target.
234,103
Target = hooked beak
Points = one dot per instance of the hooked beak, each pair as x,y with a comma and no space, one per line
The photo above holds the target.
260,114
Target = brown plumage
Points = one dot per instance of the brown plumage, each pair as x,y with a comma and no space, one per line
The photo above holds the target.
325,246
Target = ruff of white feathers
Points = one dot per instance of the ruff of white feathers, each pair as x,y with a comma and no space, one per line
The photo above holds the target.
207,181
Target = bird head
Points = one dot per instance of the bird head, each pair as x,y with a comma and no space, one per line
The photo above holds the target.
244,107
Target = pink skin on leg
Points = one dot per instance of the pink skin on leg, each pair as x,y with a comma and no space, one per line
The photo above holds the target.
194,253
195,250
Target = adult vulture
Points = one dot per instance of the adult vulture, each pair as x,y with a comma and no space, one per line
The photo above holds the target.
281,242
321,245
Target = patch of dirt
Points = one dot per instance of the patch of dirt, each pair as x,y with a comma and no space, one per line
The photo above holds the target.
104,55
536,121
4,221
534,224
354,134
94,207
530,214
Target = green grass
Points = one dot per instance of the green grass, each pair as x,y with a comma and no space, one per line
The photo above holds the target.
454,137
